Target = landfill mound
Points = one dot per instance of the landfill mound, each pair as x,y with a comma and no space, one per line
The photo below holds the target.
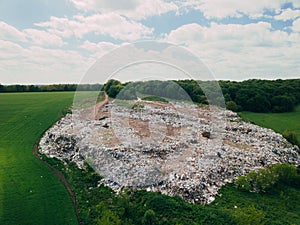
178,149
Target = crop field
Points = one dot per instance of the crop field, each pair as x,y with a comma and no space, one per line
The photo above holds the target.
30,193
276,121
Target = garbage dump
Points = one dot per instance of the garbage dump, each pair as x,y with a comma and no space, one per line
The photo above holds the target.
178,149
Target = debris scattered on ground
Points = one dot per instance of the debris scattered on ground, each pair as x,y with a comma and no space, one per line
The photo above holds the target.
174,148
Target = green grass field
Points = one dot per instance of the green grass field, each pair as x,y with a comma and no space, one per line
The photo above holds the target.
276,121
30,193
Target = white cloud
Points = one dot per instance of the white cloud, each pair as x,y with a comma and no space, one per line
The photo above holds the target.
39,65
186,33
97,50
8,32
255,34
235,8
288,14
150,8
100,5
98,47
31,36
62,27
10,50
110,24
133,9
296,25
43,38
235,51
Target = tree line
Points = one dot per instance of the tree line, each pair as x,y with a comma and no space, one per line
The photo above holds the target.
50,88
250,95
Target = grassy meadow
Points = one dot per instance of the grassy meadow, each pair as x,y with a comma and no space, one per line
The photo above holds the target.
30,193
276,121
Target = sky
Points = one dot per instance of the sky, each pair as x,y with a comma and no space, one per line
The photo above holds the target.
58,41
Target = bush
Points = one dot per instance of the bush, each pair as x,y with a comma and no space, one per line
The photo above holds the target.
155,98
258,181
138,106
291,136
287,174
231,105
264,180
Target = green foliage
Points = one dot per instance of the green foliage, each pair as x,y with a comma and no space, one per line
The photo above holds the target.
137,106
113,87
50,88
231,105
127,93
106,216
155,98
283,103
265,180
291,136
287,174
114,90
279,206
99,205
251,95
149,218
263,95
258,181
249,215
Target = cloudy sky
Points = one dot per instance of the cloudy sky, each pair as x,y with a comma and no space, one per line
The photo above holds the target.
57,41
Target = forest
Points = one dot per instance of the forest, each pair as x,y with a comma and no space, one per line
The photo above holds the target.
251,95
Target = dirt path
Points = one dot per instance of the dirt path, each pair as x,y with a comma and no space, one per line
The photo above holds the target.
62,179
93,112
99,105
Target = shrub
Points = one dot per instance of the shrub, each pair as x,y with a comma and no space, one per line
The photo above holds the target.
257,181
264,180
231,105
291,137
287,173
155,98
137,106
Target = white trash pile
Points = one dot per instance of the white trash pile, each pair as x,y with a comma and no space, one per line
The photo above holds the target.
161,147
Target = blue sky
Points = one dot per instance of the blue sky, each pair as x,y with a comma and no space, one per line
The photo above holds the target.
57,41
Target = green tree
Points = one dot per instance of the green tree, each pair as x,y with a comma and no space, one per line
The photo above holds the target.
114,90
127,93
231,105
282,103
